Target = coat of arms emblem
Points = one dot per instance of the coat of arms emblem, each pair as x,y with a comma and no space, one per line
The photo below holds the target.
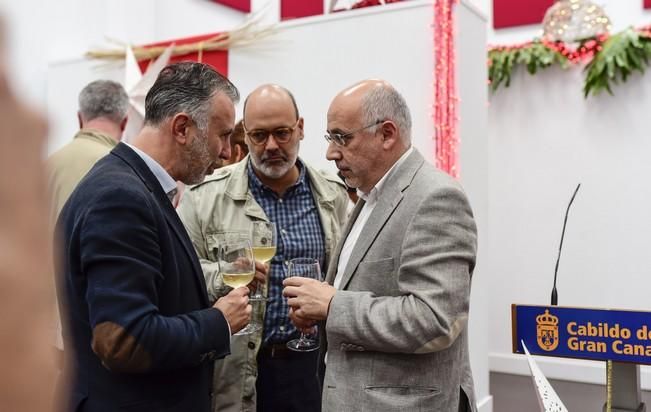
547,331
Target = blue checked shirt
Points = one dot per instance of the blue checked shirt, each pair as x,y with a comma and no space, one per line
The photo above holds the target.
299,235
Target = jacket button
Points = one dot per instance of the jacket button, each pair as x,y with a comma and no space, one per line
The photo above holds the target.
251,345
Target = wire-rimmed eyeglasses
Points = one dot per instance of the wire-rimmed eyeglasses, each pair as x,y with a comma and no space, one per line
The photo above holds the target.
340,139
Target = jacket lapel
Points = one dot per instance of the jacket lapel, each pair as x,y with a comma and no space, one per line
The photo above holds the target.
142,170
390,198
237,188
374,224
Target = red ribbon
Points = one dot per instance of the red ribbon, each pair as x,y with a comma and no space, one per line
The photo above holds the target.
241,5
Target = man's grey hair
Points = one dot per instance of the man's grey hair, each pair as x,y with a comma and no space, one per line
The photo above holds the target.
103,98
186,87
385,103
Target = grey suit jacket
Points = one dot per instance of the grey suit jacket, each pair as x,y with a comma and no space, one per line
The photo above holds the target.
396,331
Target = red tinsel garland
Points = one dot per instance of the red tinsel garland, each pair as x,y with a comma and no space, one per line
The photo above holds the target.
445,94
585,51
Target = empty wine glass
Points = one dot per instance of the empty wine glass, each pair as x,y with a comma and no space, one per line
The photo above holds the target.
307,268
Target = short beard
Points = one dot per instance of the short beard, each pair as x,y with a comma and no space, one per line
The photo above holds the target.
196,159
276,171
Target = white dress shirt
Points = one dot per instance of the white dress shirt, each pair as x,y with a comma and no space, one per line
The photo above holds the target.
371,201
166,181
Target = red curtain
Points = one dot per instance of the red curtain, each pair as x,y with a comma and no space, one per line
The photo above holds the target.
292,9
509,13
217,59
241,5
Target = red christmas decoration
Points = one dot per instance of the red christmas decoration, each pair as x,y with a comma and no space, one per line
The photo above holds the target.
241,5
367,3
585,51
446,101
293,9
509,13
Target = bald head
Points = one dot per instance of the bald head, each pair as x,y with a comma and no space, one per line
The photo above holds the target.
374,100
362,88
271,94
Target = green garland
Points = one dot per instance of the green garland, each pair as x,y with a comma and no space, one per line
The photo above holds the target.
621,55
534,56
611,59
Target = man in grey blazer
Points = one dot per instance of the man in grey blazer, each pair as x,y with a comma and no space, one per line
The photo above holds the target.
394,307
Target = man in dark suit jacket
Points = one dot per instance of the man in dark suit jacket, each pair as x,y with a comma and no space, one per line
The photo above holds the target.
397,292
142,334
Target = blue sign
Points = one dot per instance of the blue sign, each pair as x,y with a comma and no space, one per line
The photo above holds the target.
597,334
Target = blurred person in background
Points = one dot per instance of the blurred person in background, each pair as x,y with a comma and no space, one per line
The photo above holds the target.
102,116
26,355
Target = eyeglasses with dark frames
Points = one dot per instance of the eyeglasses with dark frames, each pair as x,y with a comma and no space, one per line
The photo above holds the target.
341,139
280,134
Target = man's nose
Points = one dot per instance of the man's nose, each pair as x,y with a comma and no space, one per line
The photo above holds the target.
226,152
333,152
271,143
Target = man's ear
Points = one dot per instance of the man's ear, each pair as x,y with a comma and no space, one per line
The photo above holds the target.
180,125
81,122
238,153
390,134
123,123
300,126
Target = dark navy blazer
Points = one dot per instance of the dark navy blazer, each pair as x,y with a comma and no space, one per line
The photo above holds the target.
139,333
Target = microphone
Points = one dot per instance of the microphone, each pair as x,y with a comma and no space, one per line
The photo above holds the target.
554,291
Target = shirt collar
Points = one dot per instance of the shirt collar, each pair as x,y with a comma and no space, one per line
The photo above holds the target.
166,181
257,183
97,136
375,192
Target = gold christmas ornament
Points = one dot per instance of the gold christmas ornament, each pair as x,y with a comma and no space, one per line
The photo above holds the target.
574,20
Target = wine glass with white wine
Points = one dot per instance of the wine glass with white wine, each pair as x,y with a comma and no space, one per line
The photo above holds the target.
237,268
263,236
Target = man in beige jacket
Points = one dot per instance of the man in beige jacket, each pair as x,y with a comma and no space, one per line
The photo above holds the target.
308,208
102,116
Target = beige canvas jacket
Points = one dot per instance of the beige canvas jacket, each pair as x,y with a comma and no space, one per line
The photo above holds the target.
70,164
223,206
